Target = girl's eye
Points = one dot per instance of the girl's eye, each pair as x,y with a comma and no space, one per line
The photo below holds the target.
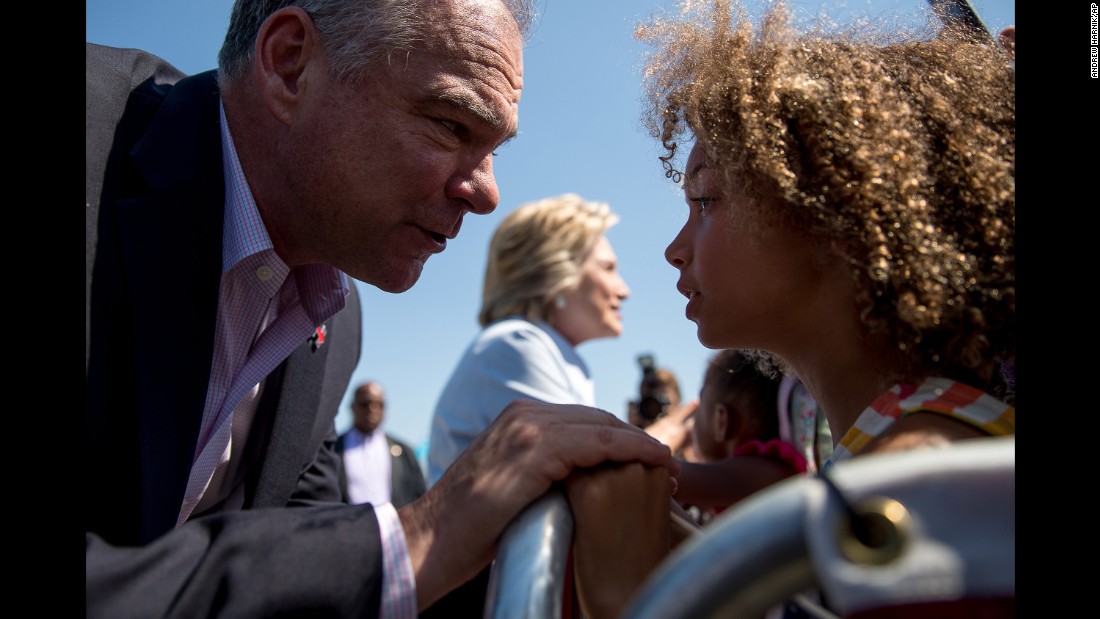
702,203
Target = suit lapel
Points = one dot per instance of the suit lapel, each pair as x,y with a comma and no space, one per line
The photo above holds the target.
287,447
172,253
313,384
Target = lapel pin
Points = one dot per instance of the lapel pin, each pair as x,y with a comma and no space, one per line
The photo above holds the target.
318,337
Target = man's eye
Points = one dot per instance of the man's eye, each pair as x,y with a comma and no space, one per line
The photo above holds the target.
451,125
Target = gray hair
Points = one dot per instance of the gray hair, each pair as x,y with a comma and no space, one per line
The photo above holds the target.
536,253
354,32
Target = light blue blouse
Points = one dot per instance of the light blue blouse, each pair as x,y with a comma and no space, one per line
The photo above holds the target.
510,359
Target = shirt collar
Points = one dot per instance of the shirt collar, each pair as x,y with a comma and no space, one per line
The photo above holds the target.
245,233
323,288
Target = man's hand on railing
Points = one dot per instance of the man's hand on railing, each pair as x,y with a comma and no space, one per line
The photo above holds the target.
452,531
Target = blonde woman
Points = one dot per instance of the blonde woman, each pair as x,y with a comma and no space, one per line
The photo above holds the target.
552,282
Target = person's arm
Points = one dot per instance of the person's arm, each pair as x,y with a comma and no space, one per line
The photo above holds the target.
722,483
621,532
328,560
452,531
253,563
674,429
320,482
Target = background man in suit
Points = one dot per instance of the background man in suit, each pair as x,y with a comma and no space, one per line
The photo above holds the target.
377,468
224,214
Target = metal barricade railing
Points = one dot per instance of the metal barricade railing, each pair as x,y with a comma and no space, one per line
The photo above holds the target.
948,516
527,579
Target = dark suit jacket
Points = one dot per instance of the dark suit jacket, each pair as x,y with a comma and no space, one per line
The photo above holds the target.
154,209
407,481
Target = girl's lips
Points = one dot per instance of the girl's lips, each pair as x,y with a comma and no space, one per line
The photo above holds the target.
692,297
693,300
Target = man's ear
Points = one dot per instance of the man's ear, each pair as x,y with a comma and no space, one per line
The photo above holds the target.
285,45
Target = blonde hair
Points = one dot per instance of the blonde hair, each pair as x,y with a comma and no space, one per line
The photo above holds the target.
900,154
536,254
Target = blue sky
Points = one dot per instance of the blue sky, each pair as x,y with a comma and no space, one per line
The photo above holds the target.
580,132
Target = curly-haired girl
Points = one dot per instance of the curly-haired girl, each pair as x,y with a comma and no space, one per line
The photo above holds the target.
852,213
852,217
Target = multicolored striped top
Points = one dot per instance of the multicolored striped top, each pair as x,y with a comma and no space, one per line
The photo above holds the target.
934,395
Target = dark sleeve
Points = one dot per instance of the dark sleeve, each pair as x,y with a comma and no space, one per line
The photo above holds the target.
320,482
342,471
417,483
314,561
408,481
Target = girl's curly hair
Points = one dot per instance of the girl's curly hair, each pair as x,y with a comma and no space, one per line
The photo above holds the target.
901,154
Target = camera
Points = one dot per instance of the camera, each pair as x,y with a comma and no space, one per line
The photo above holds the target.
654,401
652,408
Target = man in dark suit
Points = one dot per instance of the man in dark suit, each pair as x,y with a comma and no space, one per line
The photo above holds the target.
377,468
225,213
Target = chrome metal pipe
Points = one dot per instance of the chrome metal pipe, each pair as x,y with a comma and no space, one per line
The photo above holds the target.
528,577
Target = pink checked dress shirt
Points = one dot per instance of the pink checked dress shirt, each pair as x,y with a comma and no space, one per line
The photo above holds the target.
265,311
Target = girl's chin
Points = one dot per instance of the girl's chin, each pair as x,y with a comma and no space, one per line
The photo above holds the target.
710,340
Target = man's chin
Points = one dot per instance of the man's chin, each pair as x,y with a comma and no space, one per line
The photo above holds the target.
395,282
